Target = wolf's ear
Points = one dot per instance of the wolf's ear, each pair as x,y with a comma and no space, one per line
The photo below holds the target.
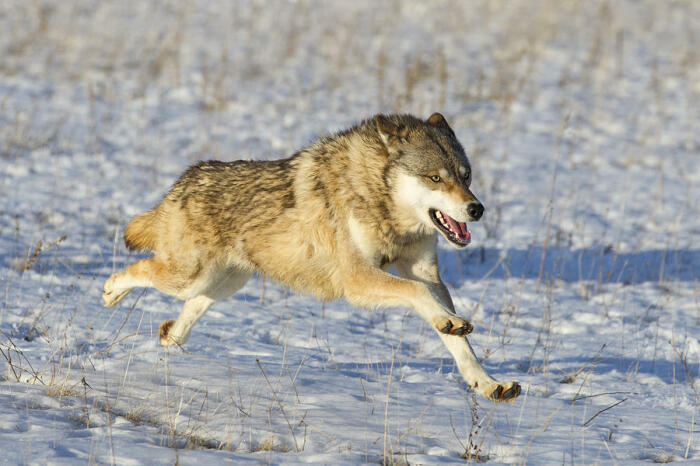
436,119
390,132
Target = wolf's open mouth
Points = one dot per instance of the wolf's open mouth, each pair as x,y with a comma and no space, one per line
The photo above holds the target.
456,232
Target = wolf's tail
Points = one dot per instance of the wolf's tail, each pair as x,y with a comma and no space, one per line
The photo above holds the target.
140,233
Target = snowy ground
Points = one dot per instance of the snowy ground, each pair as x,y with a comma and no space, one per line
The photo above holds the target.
582,121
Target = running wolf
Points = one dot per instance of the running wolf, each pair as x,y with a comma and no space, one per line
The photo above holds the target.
331,220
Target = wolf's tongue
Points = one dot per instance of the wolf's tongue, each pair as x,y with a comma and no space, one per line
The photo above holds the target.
464,234
458,228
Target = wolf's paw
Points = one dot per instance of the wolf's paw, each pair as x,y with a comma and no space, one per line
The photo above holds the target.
453,325
163,333
506,391
110,295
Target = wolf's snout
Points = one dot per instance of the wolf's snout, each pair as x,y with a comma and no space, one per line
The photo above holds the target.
475,210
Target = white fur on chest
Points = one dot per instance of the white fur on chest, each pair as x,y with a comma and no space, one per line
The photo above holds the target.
365,242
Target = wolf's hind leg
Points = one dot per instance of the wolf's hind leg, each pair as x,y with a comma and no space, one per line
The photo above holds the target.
176,332
121,283
171,277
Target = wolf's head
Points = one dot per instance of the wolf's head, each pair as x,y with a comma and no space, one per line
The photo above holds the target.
432,175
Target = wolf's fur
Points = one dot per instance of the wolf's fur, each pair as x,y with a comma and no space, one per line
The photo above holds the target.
330,221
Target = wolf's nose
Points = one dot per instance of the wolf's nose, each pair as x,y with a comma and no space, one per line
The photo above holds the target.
475,210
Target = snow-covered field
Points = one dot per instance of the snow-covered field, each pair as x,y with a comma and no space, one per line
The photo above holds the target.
582,122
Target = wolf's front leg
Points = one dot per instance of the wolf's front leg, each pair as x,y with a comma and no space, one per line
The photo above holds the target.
371,287
474,374
422,267
467,363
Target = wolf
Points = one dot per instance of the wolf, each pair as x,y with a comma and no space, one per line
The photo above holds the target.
332,220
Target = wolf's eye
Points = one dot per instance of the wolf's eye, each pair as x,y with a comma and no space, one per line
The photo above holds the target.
435,178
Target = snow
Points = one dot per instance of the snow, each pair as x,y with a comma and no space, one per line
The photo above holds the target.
581,121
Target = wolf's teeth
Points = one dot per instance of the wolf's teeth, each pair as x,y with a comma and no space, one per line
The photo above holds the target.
444,223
